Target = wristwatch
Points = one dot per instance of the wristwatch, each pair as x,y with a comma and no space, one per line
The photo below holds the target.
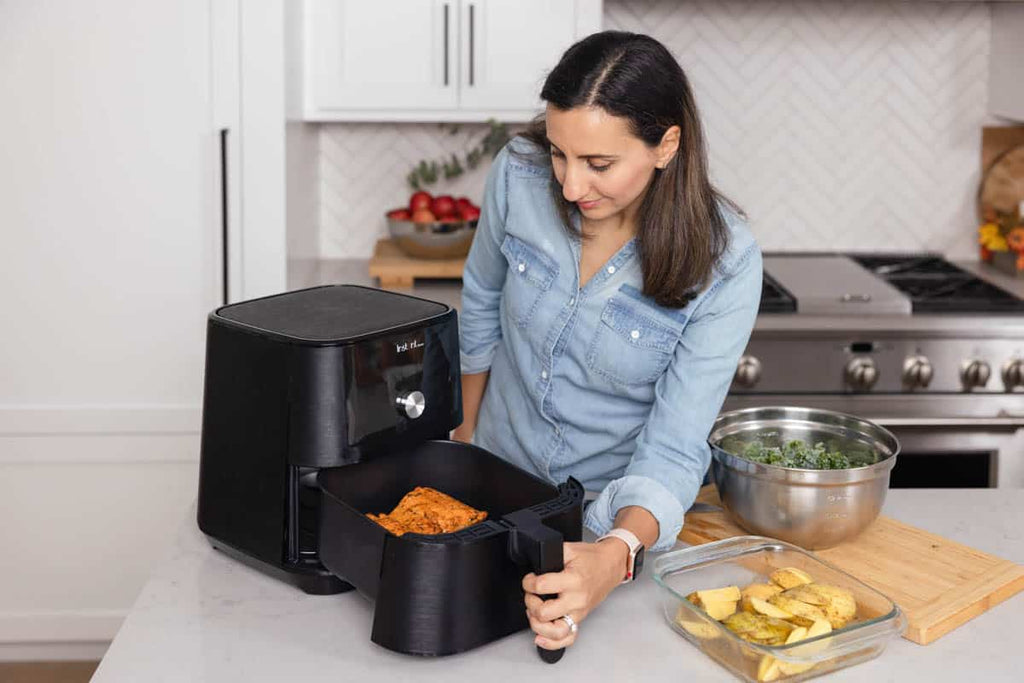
635,561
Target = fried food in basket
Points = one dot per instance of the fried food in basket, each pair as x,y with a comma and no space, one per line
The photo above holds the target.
428,511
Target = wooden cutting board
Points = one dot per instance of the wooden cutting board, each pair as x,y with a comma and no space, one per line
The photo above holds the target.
939,584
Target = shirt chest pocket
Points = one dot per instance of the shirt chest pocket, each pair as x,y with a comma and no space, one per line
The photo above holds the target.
631,346
531,273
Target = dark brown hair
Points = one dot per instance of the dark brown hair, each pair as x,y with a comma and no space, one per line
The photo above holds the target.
681,232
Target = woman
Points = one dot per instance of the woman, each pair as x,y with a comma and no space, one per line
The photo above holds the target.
608,295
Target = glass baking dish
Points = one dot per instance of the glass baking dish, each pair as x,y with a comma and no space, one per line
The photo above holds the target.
750,559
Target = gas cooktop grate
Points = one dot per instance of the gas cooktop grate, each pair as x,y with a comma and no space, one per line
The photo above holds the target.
935,285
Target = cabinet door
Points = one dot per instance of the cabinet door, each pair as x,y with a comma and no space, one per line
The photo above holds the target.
508,46
385,54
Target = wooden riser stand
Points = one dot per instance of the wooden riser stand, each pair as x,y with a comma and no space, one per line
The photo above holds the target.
396,270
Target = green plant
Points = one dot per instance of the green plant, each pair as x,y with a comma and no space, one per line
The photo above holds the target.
427,172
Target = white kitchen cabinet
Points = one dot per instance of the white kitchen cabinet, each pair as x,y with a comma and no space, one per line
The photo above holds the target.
1006,61
383,54
435,60
111,204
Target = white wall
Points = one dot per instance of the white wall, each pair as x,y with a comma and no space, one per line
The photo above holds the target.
836,125
108,268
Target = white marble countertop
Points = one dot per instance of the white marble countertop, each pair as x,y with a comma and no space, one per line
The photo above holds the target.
205,617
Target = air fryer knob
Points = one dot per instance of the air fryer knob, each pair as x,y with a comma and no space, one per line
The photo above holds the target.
412,404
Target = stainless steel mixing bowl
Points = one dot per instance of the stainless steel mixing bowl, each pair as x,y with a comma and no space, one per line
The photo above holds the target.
434,240
809,508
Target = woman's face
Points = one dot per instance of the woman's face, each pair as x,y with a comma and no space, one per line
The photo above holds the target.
602,167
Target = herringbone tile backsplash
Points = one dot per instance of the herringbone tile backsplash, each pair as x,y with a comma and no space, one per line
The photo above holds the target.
836,125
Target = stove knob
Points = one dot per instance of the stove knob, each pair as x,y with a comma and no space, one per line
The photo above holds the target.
412,404
1013,374
917,372
861,373
974,374
748,372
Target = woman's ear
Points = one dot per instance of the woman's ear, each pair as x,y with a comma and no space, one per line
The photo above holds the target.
668,147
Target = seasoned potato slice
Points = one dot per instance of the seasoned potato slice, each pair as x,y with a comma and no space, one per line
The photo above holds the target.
757,590
788,577
803,614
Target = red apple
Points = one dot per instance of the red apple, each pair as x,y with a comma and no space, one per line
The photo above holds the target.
469,213
443,206
400,214
420,200
462,202
423,216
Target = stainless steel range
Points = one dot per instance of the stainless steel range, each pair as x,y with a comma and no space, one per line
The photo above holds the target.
911,341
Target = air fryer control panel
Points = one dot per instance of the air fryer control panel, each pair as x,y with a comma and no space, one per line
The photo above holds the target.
406,384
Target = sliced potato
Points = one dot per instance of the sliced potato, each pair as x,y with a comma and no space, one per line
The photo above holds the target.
757,590
768,669
839,604
769,610
770,630
718,603
806,593
727,594
797,634
818,628
720,610
741,622
788,577
803,614
694,625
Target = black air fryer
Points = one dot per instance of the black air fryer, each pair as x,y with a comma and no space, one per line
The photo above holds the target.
325,404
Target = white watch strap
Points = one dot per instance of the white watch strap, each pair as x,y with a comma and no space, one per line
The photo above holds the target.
630,539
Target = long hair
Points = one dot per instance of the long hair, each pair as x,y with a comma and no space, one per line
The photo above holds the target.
681,232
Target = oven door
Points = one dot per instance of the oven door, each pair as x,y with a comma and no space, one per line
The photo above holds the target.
958,452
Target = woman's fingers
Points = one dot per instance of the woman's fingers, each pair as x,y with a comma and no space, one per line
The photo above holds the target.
551,630
552,583
556,644
549,610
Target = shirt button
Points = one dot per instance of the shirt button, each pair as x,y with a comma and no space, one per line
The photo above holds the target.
611,270
522,267
635,334
572,301
543,374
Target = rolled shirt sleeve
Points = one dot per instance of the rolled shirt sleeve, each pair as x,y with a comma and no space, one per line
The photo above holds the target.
484,275
667,468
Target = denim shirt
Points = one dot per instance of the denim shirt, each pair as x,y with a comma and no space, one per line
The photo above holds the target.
599,383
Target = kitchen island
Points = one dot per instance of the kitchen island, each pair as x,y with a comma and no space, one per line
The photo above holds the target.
205,617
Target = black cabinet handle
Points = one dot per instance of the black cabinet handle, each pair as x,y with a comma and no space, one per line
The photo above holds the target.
224,212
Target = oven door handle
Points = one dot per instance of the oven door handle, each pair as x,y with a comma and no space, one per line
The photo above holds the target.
951,422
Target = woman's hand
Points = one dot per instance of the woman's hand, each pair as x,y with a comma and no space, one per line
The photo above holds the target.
462,433
592,571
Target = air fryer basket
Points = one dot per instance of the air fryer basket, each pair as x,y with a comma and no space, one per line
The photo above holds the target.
438,595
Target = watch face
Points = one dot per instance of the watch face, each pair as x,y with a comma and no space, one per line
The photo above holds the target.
638,562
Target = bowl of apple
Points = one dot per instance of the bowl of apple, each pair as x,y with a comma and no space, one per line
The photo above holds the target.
431,227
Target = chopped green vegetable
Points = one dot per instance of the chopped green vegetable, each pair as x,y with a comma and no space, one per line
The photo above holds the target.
797,454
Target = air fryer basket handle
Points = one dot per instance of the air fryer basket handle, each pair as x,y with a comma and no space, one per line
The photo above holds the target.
539,547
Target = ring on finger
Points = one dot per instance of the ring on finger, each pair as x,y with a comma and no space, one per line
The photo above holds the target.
571,623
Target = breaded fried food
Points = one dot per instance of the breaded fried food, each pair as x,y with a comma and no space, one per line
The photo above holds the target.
428,511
